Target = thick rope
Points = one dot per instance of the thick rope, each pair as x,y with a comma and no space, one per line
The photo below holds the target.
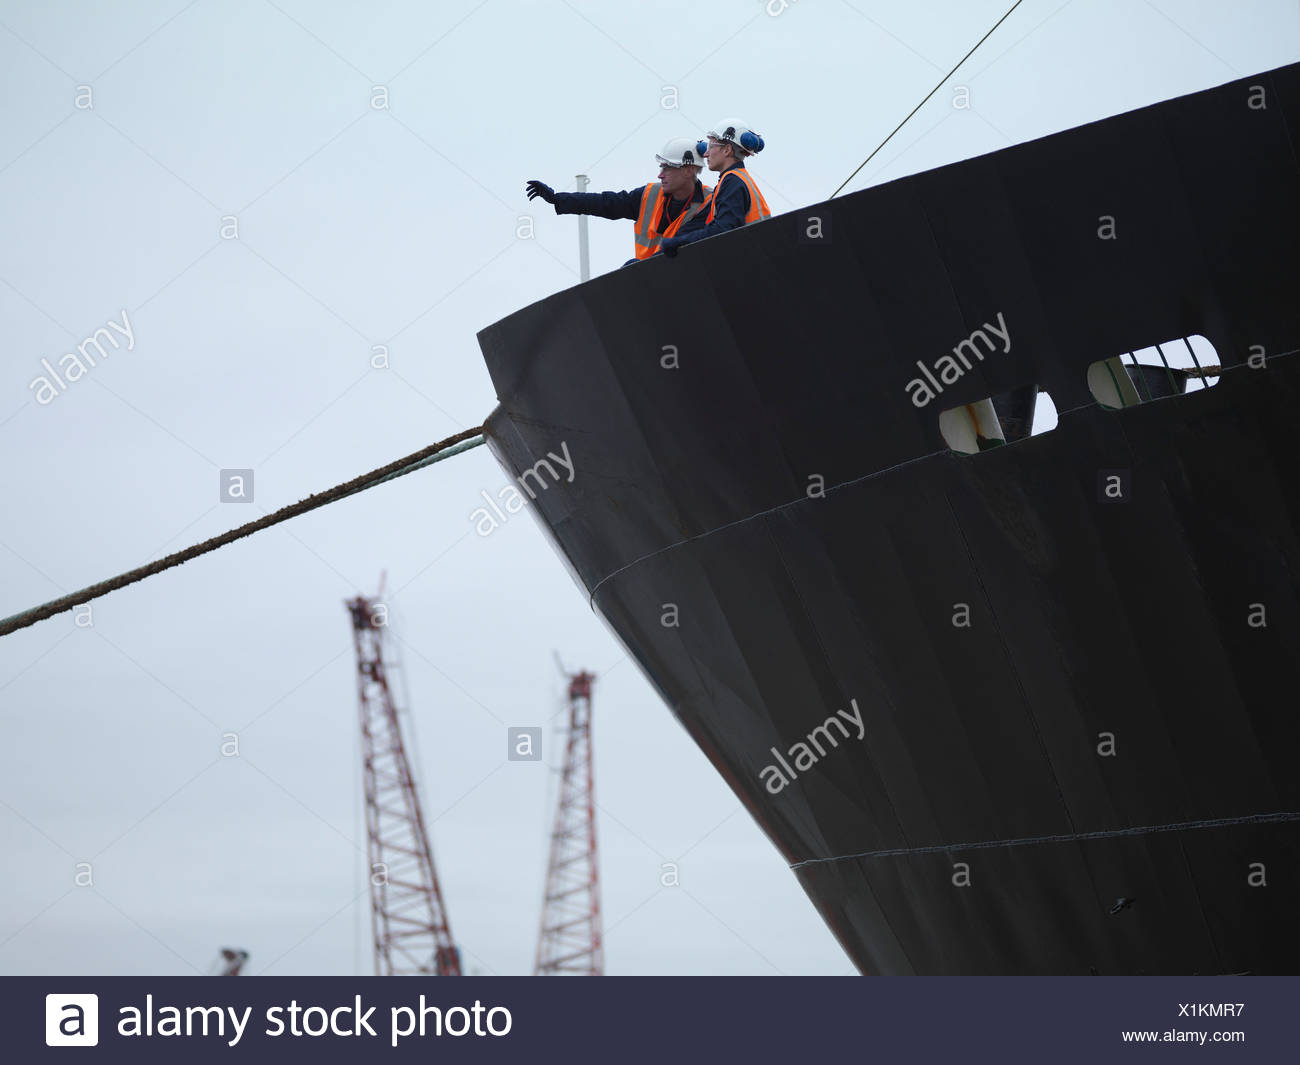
443,449
926,100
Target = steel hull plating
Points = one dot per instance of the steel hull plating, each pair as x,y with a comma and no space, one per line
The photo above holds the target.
1068,704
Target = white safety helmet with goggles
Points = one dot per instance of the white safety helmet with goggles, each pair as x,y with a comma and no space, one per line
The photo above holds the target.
737,133
682,151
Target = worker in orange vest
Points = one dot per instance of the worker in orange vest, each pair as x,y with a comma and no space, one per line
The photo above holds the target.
669,207
736,200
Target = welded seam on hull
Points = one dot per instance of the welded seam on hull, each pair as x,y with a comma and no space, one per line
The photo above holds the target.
753,517
591,598
1180,826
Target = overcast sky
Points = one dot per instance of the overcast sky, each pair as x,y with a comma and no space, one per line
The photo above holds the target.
131,135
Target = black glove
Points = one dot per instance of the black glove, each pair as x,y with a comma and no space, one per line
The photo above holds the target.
669,247
536,188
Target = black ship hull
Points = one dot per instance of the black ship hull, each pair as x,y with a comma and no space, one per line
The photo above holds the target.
1069,720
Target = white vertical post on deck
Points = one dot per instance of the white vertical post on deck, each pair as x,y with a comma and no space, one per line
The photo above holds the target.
584,261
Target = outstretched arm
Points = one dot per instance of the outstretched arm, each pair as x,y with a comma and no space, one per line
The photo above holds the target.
612,205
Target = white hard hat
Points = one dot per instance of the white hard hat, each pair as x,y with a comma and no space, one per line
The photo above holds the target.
736,132
681,151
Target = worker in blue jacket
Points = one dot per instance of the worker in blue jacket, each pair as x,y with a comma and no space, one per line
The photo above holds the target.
736,200
662,209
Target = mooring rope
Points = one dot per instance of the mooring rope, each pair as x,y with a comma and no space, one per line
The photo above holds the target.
926,100
443,449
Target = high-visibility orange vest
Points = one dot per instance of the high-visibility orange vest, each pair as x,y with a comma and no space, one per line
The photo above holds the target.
757,205
653,205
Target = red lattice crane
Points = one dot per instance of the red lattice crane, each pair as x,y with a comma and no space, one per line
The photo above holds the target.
571,943
409,920
231,962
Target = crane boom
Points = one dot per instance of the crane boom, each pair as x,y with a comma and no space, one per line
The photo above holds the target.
409,921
